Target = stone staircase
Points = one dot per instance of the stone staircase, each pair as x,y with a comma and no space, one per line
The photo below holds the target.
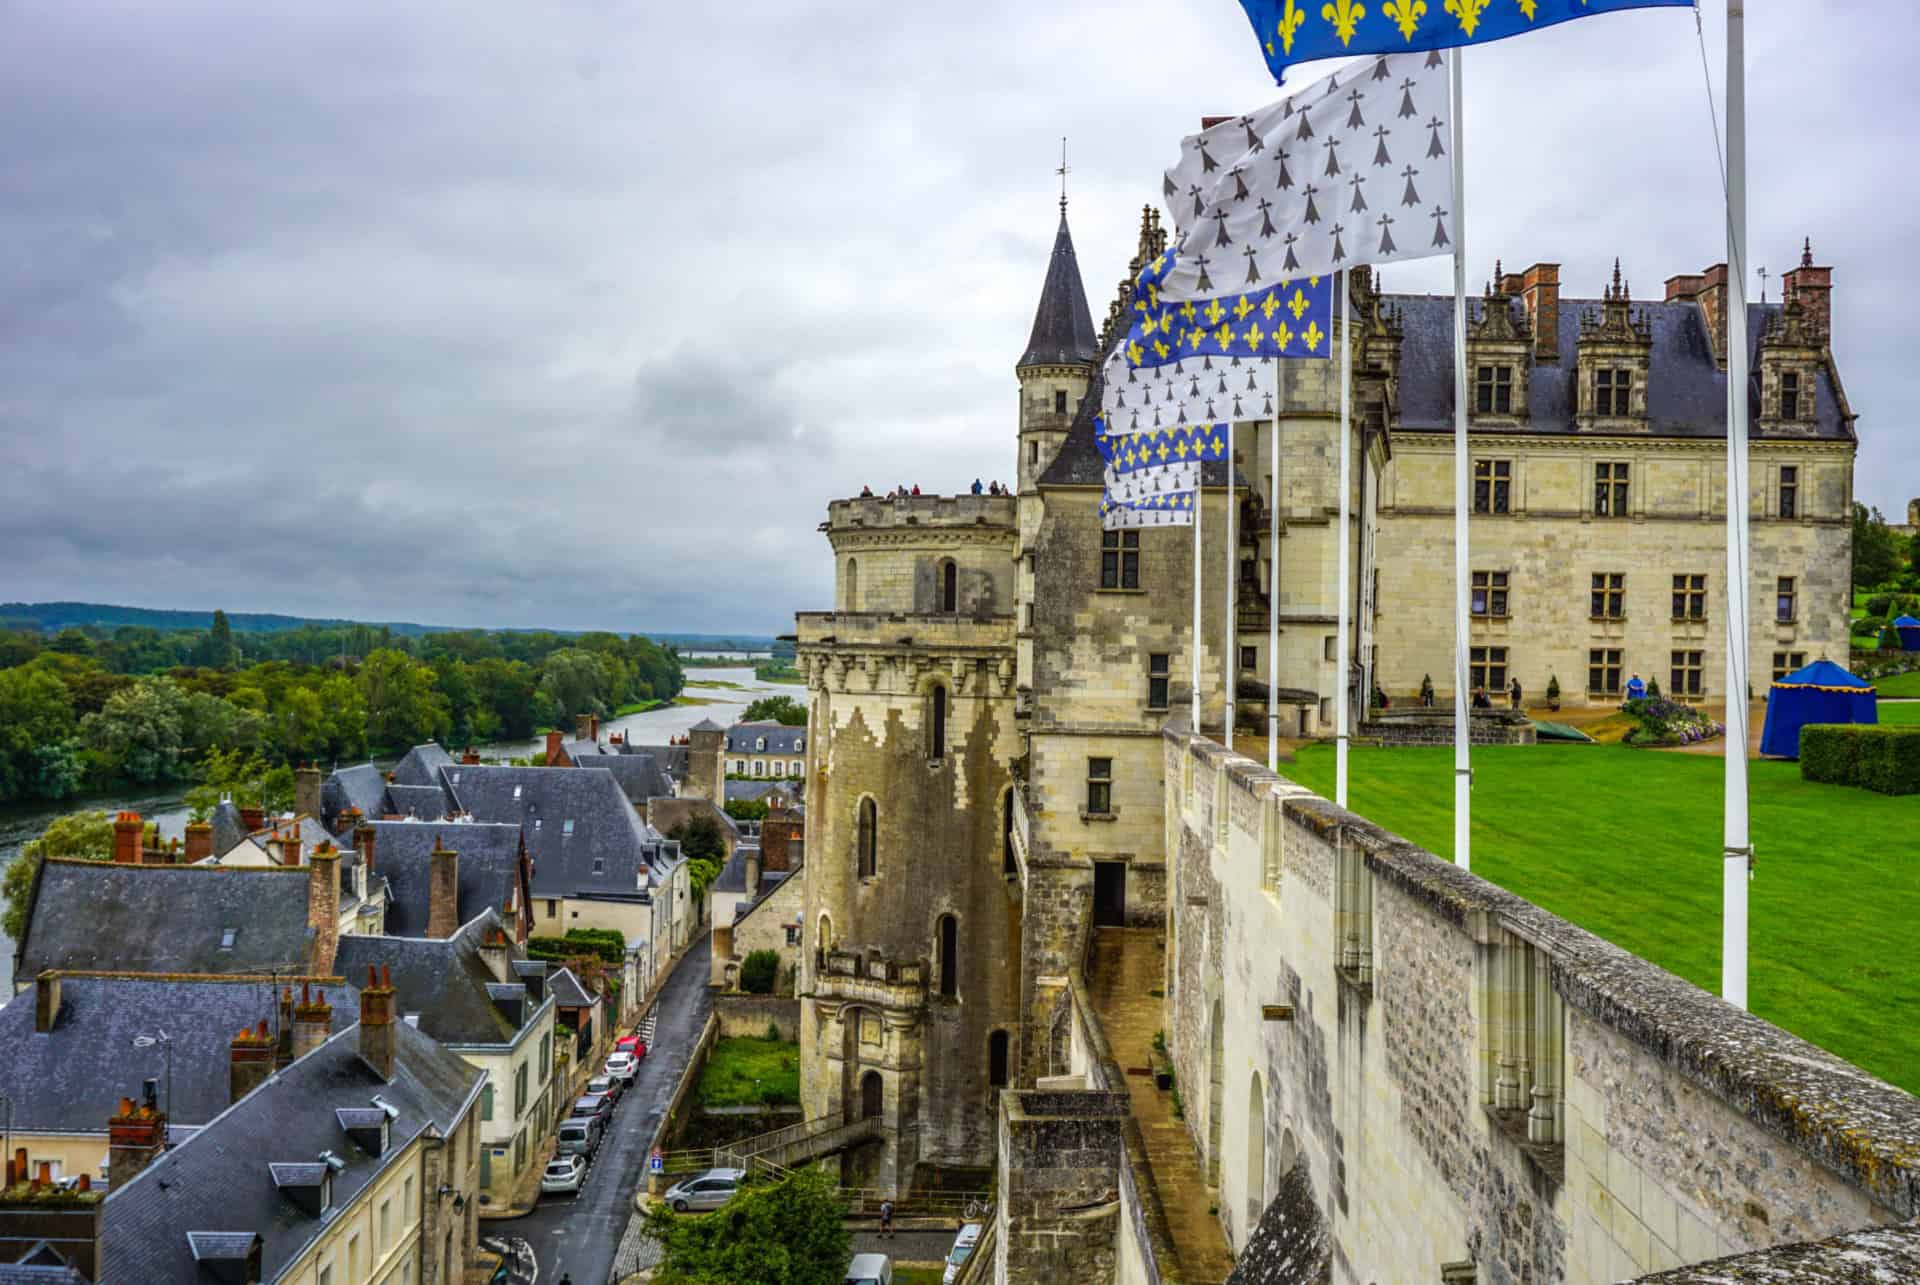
783,1149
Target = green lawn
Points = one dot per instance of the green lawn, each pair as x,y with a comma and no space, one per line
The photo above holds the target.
1899,684
1899,711
745,1071
1626,843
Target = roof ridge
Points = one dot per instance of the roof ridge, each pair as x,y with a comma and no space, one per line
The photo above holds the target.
171,865
252,979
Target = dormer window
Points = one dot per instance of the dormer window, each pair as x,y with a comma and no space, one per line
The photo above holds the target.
1790,394
760,743
1493,390
1612,391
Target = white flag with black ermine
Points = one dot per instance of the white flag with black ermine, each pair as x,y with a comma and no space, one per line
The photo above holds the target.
1353,169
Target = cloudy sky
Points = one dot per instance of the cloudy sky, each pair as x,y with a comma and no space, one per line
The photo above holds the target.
577,313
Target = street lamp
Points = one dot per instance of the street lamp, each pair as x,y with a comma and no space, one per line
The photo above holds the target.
165,1042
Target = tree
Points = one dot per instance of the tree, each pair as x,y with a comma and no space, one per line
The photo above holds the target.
35,711
403,709
792,1232
759,971
700,838
572,681
216,650
84,835
1875,559
784,710
746,809
139,731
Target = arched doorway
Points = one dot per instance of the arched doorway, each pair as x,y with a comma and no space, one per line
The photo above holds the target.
871,1093
1216,1091
1256,1156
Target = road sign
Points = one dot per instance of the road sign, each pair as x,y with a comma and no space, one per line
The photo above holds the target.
656,1162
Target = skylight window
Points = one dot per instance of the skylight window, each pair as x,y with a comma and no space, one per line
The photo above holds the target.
516,791
599,866
536,825
566,827
227,936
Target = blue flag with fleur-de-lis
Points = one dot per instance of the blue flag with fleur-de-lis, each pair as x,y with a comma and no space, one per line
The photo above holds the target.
1293,31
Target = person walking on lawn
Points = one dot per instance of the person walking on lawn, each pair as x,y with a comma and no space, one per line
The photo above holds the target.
1513,693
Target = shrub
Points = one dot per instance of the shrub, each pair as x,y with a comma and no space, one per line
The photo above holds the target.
1889,639
759,971
1665,722
1868,626
1879,605
1884,758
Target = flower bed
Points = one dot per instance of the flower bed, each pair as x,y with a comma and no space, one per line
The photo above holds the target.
1664,722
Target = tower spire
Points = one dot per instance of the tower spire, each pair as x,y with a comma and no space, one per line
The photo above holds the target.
1063,171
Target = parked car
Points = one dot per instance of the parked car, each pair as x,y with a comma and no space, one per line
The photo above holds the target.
564,1174
611,1085
623,1067
963,1246
708,1189
579,1137
631,1044
593,1104
870,1269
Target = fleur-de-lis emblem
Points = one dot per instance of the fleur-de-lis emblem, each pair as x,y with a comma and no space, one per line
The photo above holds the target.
1526,7
1186,310
1298,304
1242,309
1225,336
1269,306
1468,11
1407,14
1214,312
1135,353
1313,334
1282,336
1343,14
1290,20
1160,350
1254,336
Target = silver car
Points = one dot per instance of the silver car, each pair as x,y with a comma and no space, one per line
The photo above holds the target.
709,1189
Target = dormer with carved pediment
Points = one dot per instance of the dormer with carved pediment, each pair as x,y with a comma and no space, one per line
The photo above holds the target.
1499,352
1793,347
1614,346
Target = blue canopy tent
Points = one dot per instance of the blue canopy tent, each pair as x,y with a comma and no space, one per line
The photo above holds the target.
1823,692
1909,633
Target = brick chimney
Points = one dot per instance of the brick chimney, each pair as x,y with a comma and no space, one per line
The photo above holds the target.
553,747
249,1061
312,1021
583,727
471,757
135,1136
323,906
364,839
1539,288
129,837
1812,289
287,845
1711,295
306,791
255,819
199,841
593,728
443,891
46,1001
378,1039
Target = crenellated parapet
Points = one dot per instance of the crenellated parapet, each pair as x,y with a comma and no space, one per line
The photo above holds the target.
898,653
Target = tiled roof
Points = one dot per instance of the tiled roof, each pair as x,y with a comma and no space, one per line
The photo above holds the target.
99,915
70,1078
1063,331
582,833
489,868
444,980
222,1180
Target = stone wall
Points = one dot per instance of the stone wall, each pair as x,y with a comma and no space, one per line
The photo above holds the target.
750,1015
1373,1003
1418,726
1059,1206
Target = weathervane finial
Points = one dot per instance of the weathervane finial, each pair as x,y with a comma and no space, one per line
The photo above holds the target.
1063,171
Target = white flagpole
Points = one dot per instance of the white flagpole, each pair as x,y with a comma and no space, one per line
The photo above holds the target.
1737,853
1230,662
1462,696
1273,584
1342,714
1199,496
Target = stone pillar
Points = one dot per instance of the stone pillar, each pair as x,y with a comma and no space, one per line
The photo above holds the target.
1059,1185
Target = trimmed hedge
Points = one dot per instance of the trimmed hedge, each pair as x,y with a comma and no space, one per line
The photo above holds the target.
1884,758
610,944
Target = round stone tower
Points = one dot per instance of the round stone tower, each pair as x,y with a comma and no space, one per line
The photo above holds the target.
1058,363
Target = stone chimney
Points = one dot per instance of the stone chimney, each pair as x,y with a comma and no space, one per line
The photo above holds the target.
583,727
553,747
312,1021
1812,289
593,729
129,837
323,906
364,839
443,891
199,841
306,791
378,1039
249,1061
1539,288
135,1136
46,1001
753,873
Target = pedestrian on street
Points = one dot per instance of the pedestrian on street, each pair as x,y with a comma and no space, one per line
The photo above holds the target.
886,1219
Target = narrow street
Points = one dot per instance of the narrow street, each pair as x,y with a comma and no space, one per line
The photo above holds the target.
576,1235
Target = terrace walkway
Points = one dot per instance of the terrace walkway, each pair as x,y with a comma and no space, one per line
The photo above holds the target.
1125,968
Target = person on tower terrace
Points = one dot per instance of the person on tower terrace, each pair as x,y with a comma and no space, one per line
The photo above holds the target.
977,488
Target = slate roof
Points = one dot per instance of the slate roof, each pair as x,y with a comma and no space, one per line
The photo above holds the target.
99,915
71,1078
444,980
427,802
672,759
1063,330
361,786
421,765
567,991
733,875
221,1179
706,725
766,785
541,801
229,831
639,774
781,739
489,869
309,829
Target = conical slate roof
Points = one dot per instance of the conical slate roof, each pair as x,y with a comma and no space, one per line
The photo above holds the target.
1063,332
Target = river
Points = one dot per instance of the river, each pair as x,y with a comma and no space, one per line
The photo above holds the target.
20,823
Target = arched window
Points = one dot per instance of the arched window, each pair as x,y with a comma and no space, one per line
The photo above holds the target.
825,941
868,838
949,586
1256,1156
1008,864
949,956
871,1091
853,585
938,723
997,1059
